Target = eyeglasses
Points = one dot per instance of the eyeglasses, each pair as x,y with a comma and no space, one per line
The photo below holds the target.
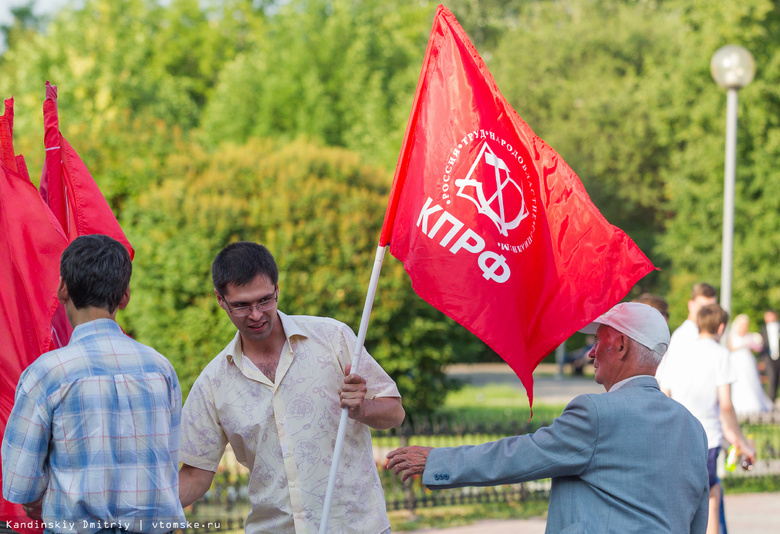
242,311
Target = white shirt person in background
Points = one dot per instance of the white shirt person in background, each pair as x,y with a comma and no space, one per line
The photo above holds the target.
701,381
747,393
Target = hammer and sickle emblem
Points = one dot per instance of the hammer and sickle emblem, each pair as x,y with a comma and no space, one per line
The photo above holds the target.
503,181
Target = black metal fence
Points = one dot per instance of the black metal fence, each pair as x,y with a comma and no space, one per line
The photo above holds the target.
228,498
451,430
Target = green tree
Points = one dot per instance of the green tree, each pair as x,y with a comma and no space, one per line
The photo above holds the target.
343,72
622,90
694,175
133,77
23,20
588,77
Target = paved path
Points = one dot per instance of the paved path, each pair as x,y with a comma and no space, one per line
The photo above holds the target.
749,513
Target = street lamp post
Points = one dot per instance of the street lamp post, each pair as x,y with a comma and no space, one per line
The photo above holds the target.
732,67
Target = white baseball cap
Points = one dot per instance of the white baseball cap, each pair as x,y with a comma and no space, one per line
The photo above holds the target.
642,323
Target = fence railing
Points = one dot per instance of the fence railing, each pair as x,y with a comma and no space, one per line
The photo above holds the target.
228,498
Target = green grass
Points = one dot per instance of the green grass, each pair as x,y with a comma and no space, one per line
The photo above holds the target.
764,484
498,400
451,516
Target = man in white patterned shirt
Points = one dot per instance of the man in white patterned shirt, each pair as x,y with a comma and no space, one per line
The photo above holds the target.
275,393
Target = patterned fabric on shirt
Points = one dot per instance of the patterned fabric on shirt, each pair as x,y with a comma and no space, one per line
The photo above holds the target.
285,432
95,426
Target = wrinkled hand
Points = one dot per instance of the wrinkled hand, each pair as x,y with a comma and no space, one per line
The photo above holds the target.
408,461
353,394
34,510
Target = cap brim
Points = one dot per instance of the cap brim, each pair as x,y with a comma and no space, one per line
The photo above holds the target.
591,328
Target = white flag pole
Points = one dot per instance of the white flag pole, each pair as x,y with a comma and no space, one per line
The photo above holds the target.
334,467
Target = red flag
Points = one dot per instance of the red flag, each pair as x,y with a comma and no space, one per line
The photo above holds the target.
73,196
69,188
31,243
493,227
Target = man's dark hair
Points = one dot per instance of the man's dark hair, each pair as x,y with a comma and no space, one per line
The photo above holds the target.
703,289
96,270
710,318
241,262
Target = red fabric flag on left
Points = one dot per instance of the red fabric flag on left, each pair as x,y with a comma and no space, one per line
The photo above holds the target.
74,198
31,244
493,227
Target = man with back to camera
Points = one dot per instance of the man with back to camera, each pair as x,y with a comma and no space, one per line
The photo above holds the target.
92,441
629,460
275,393
701,381
702,294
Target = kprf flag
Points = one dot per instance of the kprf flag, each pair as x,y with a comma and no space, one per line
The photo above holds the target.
31,243
74,198
493,227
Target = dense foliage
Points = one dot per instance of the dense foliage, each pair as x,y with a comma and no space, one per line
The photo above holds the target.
280,121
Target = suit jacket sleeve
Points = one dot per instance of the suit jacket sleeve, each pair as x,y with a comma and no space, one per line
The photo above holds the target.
563,449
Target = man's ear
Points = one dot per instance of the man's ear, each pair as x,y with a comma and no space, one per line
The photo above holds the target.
125,299
622,345
721,328
62,292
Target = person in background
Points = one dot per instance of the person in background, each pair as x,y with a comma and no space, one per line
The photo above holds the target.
656,301
702,294
747,393
701,381
770,353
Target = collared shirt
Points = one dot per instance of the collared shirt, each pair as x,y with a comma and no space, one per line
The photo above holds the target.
616,386
285,431
773,337
95,430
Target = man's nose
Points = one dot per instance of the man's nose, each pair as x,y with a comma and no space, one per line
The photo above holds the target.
255,313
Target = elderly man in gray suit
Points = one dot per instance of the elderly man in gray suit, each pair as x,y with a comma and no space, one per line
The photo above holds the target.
629,460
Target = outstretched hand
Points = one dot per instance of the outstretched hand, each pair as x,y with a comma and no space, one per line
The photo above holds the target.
408,461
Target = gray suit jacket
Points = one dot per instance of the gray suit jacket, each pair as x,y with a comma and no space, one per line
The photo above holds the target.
628,461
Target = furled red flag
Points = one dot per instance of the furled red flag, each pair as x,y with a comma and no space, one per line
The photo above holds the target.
73,196
31,243
493,227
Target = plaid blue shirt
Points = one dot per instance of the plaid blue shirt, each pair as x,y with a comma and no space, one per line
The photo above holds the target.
95,430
